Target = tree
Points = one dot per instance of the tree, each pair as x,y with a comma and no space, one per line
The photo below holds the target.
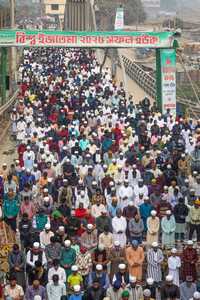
133,12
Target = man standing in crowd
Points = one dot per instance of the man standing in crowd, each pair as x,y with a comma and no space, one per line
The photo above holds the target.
101,181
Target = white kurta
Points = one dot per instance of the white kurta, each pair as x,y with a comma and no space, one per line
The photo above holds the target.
174,264
119,230
125,192
21,126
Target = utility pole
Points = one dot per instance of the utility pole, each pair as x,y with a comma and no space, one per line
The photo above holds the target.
12,65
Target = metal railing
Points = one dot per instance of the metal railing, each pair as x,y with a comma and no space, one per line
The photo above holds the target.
148,84
143,79
7,105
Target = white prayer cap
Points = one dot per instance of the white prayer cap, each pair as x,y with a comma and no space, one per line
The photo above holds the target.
122,266
77,288
36,245
35,165
45,190
82,193
117,243
147,293
4,164
111,183
150,281
126,180
46,199
153,213
132,279
120,167
28,147
67,243
61,228
154,244
169,278
28,170
168,212
47,226
131,203
169,166
174,251
196,295
134,167
101,247
90,226
94,182
165,187
37,297
50,179
114,160
99,267
183,155
74,268
189,242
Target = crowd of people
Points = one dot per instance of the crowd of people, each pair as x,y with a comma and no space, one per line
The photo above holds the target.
104,195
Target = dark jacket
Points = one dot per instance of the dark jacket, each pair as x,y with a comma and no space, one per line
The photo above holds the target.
180,212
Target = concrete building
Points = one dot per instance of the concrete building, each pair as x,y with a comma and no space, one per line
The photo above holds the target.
54,8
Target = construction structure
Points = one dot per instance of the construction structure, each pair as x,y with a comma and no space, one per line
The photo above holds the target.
5,21
79,15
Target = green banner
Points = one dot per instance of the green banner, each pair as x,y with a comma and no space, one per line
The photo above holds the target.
114,39
168,80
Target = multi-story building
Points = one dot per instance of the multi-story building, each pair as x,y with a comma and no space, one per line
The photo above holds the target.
54,8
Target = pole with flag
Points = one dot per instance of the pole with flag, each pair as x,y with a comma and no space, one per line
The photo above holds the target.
119,25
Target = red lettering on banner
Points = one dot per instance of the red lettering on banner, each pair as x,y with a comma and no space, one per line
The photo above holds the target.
154,40
32,38
20,37
147,39
41,38
109,39
129,39
71,39
83,39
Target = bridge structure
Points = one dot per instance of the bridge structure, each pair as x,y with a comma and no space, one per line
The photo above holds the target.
77,10
80,30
